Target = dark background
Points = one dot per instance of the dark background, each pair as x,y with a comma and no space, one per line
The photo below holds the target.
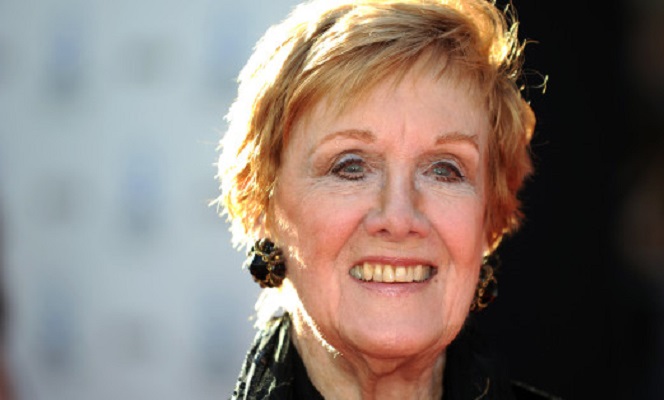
580,312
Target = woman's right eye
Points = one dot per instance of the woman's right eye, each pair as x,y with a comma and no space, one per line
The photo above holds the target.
350,167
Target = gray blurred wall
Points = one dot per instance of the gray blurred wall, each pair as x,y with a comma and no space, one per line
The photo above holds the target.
119,278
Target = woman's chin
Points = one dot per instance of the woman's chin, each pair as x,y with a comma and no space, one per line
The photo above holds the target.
397,326
391,338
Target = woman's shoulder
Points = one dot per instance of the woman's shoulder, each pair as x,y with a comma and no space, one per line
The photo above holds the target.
273,370
476,369
266,372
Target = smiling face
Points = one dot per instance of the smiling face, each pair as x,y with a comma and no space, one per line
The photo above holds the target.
391,189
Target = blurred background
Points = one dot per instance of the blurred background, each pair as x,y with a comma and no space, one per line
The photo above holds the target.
119,281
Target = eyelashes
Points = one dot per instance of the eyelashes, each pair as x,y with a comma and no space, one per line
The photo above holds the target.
354,167
445,171
350,166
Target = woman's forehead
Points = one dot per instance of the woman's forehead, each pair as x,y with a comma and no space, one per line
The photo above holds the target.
339,97
442,103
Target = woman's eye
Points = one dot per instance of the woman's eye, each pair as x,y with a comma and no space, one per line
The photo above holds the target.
350,167
446,171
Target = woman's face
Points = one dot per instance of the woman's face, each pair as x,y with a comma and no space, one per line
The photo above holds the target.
391,189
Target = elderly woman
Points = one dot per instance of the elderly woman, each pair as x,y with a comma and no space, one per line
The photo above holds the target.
372,164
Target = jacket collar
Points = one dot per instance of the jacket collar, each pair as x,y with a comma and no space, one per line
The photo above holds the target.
274,370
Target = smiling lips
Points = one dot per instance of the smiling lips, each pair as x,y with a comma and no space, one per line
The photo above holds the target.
391,273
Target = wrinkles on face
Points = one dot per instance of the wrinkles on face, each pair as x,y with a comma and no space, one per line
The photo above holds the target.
396,184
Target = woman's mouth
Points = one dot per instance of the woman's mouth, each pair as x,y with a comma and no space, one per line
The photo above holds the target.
386,273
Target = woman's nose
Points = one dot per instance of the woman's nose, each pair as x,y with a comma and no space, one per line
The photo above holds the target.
396,214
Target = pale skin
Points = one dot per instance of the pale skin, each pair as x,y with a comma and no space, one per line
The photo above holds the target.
397,180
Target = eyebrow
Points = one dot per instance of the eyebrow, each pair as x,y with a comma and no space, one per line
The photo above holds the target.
359,134
450,137
368,137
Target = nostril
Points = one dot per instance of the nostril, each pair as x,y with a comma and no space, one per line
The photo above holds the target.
395,214
396,224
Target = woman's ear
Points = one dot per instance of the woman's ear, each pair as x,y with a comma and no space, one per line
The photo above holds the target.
259,230
486,249
262,227
490,244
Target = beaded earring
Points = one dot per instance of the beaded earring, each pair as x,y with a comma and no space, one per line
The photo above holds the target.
487,288
266,264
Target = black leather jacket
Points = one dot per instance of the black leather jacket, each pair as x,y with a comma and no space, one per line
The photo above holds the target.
274,370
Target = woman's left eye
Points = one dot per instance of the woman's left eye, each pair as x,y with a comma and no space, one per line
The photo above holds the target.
445,171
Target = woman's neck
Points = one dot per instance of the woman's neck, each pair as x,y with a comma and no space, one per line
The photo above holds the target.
360,377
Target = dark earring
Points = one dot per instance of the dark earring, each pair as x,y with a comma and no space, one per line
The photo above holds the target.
487,288
266,264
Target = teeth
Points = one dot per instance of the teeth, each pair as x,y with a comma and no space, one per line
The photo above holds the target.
378,273
400,274
391,273
418,273
409,275
388,274
367,272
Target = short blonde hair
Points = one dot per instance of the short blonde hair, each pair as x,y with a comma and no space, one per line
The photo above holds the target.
343,48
